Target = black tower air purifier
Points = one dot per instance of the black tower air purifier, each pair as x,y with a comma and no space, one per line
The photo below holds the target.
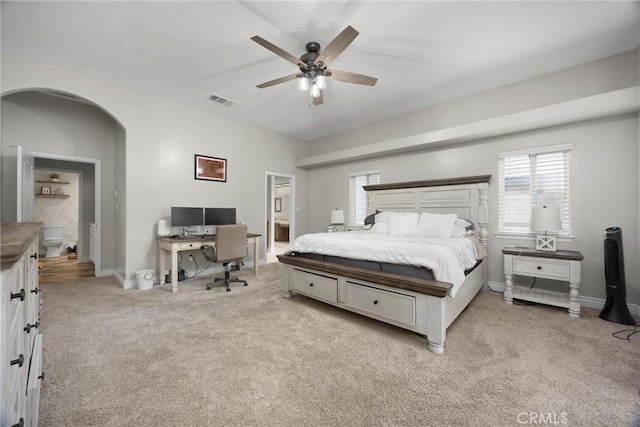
615,308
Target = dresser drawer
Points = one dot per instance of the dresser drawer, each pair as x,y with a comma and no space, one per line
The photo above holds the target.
389,305
322,287
541,267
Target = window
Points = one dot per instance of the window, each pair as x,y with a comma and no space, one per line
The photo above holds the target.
532,179
358,197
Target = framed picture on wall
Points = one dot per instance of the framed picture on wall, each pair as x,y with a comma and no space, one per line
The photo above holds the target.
210,168
277,205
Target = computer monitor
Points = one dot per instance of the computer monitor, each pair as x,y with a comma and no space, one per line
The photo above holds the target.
186,217
219,216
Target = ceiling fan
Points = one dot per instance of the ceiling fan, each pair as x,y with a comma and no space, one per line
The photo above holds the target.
313,65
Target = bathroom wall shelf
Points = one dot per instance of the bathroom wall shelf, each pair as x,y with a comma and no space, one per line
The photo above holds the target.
52,196
53,182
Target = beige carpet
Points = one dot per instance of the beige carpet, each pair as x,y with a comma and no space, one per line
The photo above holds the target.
249,357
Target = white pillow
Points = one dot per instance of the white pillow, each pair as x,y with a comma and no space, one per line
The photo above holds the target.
458,230
404,224
383,217
462,227
436,225
380,228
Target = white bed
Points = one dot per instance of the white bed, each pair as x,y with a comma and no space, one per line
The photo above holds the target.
425,306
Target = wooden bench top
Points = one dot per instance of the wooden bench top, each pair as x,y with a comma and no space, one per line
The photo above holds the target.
414,284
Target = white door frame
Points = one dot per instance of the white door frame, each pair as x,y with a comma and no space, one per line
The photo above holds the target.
25,185
270,213
97,164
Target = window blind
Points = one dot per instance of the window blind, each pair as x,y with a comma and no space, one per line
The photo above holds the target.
358,197
533,179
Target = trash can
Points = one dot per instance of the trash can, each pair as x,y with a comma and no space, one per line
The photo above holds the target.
145,279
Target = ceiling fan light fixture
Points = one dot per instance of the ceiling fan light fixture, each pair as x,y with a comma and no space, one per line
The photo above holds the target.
312,65
303,83
315,91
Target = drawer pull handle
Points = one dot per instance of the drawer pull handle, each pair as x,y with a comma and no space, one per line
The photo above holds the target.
34,256
41,376
311,284
375,302
19,423
20,295
19,361
35,291
539,267
29,326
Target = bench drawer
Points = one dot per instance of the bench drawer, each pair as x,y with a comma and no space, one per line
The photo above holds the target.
389,305
315,285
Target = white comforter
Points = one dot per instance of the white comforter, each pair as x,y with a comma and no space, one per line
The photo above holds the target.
446,258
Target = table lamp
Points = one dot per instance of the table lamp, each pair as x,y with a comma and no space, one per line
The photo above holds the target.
337,219
544,220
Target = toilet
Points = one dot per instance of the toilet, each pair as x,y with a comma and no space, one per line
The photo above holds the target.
52,240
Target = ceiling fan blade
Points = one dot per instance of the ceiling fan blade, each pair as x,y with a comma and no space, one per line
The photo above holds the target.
319,99
347,77
337,45
278,51
277,81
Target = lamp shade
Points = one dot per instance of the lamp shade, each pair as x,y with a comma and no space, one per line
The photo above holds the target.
546,219
337,216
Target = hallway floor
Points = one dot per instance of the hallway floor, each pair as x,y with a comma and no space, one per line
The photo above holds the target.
62,269
279,248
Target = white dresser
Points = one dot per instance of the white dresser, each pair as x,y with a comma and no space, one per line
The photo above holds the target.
21,341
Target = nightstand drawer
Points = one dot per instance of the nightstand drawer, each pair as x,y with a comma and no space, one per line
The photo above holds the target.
315,285
541,267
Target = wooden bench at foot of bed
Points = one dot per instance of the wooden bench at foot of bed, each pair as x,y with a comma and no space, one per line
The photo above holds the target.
416,304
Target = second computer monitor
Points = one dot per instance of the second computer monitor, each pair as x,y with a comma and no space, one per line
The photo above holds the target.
219,216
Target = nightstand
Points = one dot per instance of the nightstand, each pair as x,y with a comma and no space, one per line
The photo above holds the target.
554,265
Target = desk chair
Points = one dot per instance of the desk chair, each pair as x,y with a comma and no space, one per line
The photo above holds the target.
231,246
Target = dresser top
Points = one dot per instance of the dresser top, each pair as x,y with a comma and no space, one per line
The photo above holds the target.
15,238
522,251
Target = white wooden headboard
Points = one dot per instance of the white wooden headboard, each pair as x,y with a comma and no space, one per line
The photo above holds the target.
464,196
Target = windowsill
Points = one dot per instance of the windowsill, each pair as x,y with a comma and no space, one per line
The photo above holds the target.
530,236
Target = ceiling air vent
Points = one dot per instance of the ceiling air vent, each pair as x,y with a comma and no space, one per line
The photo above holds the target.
220,100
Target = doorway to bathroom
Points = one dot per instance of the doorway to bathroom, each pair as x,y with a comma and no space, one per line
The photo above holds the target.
280,218
64,196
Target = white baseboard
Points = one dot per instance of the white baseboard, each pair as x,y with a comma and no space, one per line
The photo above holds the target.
584,301
126,284
103,273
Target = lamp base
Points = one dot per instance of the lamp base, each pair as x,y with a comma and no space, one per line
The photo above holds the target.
338,228
545,242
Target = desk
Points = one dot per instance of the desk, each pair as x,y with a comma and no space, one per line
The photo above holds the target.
178,244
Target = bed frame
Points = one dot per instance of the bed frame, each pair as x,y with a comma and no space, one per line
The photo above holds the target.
419,305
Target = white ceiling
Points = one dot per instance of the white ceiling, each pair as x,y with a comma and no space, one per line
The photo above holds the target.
423,52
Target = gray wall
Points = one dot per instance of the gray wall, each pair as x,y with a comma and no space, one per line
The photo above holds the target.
120,207
605,182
